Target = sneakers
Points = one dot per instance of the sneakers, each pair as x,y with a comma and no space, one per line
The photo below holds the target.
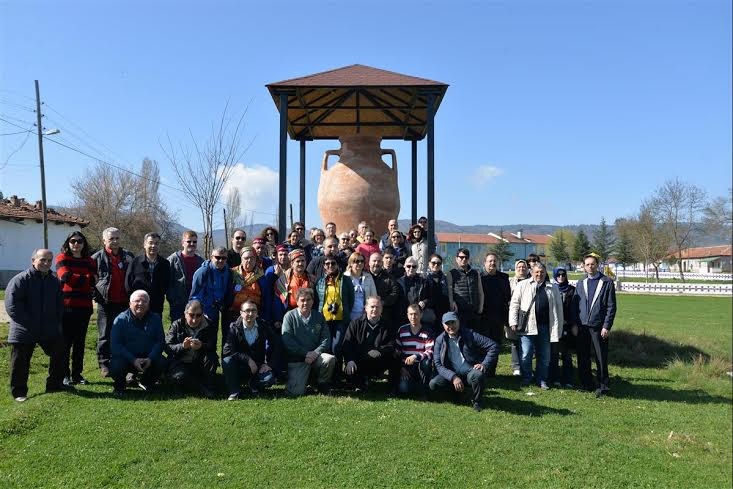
130,378
600,392
104,371
21,399
233,397
544,386
68,382
516,372
477,407
79,380
568,386
143,387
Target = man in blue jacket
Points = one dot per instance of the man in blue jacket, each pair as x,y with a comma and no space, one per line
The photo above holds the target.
212,287
462,356
137,344
594,308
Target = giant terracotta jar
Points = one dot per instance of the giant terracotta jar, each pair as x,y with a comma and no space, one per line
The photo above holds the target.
360,186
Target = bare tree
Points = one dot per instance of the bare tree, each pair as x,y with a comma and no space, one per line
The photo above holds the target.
203,169
109,196
233,208
650,241
718,216
679,205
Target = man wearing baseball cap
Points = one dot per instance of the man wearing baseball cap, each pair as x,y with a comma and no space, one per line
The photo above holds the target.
462,356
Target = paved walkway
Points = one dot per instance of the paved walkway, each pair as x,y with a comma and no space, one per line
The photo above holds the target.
4,318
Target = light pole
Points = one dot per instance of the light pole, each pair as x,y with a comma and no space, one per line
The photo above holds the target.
40,157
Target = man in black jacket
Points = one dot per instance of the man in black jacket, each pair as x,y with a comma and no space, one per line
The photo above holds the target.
251,349
497,294
35,305
191,347
369,347
150,272
388,289
462,356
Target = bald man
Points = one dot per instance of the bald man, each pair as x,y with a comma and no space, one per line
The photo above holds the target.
35,305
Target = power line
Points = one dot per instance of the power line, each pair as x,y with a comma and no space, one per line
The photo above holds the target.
14,133
8,102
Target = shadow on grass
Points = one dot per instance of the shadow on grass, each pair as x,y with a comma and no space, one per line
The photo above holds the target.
628,349
649,392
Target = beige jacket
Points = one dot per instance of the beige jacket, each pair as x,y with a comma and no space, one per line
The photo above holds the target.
522,297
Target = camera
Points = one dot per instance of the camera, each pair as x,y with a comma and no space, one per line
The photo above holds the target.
332,307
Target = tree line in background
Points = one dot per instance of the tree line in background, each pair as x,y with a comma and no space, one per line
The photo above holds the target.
666,223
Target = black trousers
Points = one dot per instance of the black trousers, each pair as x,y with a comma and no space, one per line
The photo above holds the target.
367,367
106,314
196,374
475,378
590,339
20,362
75,324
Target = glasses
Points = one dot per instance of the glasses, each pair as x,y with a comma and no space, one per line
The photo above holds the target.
462,257
193,315
76,241
562,275
240,238
409,266
249,311
191,242
217,258
436,263
270,233
330,264
395,236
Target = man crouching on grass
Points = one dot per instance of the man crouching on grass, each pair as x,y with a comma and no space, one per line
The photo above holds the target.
462,356
137,344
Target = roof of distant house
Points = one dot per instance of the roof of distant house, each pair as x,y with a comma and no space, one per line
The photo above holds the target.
466,238
17,209
705,252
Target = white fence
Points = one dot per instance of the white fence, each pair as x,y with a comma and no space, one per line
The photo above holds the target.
696,276
671,289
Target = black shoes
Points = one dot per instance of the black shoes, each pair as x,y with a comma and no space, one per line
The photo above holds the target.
477,407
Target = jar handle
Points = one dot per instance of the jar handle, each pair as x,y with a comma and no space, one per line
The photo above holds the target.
394,159
328,153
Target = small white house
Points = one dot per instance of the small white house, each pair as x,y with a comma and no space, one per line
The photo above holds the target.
21,232
706,259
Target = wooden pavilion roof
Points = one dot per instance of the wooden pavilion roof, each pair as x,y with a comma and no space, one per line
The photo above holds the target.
358,99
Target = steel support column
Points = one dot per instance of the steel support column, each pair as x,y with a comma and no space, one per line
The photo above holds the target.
414,182
302,181
282,207
431,172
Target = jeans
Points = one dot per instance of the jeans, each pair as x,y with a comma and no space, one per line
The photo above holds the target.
538,344
420,374
236,371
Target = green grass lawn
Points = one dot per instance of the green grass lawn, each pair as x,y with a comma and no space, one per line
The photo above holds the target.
667,424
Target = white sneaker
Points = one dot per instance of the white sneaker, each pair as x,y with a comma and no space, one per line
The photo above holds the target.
516,373
233,397
21,398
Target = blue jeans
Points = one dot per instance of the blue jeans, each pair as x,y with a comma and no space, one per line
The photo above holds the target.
539,344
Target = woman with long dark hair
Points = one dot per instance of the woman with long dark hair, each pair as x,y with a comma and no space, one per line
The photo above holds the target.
77,273
272,238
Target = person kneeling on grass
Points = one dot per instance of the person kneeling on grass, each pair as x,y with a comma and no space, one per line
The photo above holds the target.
415,347
462,356
191,349
250,348
137,344
307,341
369,347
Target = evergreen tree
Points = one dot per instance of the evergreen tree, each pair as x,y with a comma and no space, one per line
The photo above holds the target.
624,250
559,247
581,246
502,251
603,241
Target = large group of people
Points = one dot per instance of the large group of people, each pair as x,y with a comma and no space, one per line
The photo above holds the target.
330,310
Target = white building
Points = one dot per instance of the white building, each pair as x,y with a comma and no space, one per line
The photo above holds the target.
21,231
706,259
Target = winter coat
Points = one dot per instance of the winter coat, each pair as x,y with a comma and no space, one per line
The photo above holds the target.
522,298
35,305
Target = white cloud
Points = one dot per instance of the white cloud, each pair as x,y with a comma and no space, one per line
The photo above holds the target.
485,173
257,186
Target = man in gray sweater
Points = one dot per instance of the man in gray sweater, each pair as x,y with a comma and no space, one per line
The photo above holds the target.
307,342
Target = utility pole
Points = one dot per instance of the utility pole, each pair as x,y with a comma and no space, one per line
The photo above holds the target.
43,171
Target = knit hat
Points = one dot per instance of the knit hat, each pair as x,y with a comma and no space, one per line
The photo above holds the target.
259,240
296,253
282,247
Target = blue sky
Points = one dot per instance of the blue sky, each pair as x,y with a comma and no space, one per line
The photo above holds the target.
557,112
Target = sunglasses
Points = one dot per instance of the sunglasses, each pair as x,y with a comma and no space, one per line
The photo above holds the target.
330,264
191,242
270,233
217,258
409,266
194,315
462,257
240,238
76,241
436,263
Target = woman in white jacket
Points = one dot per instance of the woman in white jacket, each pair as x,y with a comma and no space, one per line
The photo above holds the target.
544,323
363,283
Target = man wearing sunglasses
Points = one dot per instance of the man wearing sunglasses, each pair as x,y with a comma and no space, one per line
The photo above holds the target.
184,264
191,349
212,287
497,294
234,255
465,293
